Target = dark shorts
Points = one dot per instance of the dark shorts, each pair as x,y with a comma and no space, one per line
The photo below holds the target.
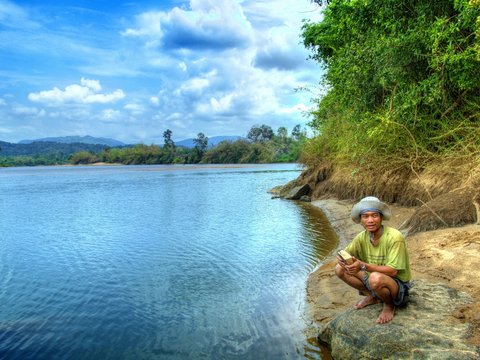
402,296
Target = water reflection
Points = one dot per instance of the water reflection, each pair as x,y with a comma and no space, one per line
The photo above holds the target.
318,232
323,240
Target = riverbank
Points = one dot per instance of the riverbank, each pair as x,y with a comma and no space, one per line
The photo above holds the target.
446,256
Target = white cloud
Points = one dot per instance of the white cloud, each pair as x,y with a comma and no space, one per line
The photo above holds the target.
134,108
208,24
182,66
298,108
177,120
110,115
149,24
26,110
165,59
14,16
5,130
174,116
277,34
198,84
180,124
223,104
91,84
195,84
86,93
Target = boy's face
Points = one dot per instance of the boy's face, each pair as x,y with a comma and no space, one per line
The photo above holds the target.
371,221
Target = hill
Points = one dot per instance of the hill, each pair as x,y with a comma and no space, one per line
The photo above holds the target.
77,139
47,148
66,145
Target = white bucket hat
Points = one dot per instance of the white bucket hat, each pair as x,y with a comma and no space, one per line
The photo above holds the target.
370,203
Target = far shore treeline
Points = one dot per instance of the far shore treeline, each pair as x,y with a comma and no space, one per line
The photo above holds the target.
261,145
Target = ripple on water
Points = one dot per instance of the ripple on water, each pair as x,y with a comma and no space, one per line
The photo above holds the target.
146,262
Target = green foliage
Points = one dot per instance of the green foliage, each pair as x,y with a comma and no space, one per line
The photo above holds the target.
258,153
142,154
46,148
83,157
279,148
227,152
167,139
260,133
271,148
402,79
240,152
35,160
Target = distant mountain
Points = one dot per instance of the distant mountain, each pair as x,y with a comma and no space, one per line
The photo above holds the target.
78,139
213,141
67,145
47,148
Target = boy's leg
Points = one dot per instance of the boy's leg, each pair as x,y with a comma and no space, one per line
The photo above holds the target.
357,283
386,289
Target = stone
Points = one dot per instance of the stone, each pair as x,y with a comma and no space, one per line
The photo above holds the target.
425,329
297,192
276,190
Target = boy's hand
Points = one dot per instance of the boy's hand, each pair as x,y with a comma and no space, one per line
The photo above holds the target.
354,267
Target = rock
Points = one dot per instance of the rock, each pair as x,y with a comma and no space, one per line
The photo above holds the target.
425,329
276,190
282,191
305,198
297,192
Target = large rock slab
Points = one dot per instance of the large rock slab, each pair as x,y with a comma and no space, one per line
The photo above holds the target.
291,191
297,192
426,329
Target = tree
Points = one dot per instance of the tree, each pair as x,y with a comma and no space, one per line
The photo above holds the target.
262,133
201,144
227,152
83,157
298,134
167,139
402,79
267,132
282,133
169,152
258,152
255,133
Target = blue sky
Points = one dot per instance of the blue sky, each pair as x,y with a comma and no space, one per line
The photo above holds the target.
130,70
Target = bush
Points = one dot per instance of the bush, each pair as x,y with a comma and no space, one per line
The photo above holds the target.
402,81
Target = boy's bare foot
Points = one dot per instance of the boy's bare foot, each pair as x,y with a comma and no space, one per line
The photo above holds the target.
386,315
368,300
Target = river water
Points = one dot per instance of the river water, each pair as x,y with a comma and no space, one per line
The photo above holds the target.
155,262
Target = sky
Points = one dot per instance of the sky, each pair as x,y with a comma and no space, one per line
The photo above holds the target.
129,70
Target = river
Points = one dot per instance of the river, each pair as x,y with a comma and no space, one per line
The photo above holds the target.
155,262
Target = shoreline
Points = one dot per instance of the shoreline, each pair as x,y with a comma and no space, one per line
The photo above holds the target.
207,165
446,256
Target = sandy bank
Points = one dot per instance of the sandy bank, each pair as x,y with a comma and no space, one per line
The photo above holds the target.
449,256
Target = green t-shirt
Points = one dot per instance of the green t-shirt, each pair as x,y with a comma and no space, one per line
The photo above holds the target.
390,251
